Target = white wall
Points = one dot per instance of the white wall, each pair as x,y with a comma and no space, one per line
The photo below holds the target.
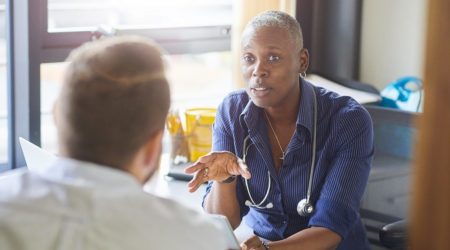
392,40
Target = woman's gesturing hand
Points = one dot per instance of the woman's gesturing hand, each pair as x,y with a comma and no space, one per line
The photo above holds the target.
217,166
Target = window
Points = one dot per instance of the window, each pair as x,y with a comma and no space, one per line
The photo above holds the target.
64,15
197,80
3,90
51,80
200,80
180,26
196,35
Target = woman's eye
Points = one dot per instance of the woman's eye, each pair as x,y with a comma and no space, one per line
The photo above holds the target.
273,58
248,59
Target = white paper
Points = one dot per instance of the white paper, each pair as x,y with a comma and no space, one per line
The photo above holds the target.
35,157
360,96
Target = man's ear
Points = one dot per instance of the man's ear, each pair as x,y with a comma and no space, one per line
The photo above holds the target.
153,150
304,60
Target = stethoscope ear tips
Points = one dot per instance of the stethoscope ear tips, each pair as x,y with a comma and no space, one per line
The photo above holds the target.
269,205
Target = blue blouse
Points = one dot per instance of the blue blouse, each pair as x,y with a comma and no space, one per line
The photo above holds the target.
343,157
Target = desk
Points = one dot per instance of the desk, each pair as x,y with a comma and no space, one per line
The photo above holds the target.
167,187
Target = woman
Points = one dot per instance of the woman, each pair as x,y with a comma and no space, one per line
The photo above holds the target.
269,139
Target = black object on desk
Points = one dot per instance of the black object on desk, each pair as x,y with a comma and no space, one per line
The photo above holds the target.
177,172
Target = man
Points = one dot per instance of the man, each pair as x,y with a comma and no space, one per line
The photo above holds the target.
291,157
110,118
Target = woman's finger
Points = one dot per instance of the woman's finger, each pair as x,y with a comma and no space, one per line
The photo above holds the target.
200,163
215,166
243,169
206,158
199,178
194,167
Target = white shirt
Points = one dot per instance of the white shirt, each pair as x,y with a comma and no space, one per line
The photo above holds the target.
78,205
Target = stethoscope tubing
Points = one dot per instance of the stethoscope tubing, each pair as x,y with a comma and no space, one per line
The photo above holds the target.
252,203
314,146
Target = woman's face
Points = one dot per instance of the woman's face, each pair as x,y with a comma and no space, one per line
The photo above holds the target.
271,63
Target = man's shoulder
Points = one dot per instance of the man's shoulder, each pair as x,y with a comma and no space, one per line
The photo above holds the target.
179,223
27,196
16,184
172,211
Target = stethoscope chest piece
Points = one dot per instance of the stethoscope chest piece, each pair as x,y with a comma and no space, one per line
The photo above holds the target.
305,208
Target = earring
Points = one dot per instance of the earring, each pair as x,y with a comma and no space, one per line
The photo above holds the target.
303,74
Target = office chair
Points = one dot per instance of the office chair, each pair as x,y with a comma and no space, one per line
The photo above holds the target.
393,235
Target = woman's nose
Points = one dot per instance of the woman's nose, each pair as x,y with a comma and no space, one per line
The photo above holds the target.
260,70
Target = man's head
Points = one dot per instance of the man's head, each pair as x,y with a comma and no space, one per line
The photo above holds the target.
272,59
113,103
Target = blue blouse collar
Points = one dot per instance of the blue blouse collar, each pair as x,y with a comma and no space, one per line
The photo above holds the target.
250,117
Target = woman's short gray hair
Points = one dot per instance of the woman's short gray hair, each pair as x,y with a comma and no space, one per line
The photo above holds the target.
281,20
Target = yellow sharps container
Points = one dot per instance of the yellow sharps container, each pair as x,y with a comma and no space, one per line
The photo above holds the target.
199,123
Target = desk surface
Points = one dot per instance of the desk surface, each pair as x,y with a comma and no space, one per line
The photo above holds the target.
167,187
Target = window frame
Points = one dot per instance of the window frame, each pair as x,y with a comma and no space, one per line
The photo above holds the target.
57,45
29,44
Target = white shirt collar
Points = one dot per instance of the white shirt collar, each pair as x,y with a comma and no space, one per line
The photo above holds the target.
87,173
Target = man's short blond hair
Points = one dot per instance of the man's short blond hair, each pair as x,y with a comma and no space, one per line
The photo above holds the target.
114,98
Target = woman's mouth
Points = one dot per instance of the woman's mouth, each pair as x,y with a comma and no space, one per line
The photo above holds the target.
260,91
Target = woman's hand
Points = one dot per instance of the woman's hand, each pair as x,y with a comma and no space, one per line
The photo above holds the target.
216,166
253,243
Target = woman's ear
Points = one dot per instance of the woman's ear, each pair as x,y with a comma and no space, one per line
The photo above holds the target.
304,60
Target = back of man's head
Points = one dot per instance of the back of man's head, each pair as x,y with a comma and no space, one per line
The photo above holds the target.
114,98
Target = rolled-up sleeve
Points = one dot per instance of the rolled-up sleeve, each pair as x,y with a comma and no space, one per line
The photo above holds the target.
224,139
337,207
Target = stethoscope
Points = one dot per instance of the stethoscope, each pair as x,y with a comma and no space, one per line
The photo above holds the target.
304,207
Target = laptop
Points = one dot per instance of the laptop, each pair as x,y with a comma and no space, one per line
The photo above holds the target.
35,157
222,221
